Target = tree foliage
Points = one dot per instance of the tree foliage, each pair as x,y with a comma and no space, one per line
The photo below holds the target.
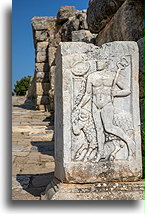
21,87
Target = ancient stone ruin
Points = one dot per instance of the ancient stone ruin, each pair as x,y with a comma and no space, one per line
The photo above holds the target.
103,21
89,63
69,25
97,122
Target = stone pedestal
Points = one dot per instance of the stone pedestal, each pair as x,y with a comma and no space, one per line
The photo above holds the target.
97,121
97,191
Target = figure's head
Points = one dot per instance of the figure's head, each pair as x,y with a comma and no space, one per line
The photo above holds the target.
102,64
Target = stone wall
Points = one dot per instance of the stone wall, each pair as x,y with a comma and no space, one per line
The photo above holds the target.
46,36
69,25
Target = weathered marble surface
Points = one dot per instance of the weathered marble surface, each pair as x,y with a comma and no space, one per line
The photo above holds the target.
98,191
97,122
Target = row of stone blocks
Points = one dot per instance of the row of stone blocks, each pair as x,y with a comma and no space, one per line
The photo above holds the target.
46,38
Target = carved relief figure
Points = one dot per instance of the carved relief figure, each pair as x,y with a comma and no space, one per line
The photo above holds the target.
83,120
100,90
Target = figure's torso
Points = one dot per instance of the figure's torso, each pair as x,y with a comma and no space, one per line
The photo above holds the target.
102,82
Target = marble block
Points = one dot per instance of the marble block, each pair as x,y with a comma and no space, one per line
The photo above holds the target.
96,191
97,120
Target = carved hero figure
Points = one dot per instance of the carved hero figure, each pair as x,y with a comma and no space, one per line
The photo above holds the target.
100,90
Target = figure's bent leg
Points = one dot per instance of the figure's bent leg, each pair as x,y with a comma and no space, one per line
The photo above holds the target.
107,118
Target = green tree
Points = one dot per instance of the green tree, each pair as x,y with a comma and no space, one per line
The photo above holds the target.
21,86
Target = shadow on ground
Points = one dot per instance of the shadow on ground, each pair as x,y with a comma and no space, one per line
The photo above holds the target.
45,147
24,106
50,120
22,102
34,184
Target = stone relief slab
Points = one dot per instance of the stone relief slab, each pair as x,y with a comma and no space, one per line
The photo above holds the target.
97,122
